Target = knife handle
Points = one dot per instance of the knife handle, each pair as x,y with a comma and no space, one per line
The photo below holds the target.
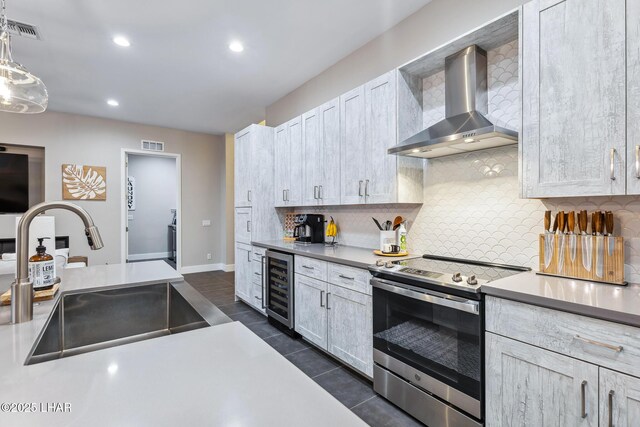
608,222
582,221
555,223
571,221
596,222
547,220
561,223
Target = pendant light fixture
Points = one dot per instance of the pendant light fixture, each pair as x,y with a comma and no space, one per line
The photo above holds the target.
20,91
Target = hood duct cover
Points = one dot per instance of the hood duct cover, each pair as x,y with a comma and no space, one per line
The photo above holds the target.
465,127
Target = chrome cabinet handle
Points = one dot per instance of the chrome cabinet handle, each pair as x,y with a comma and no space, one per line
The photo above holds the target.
257,274
637,161
258,298
346,277
249,195
611,393
321,298
307,267
616,348
263,280
249,256
320,192
248,226
366,188
284,197
328,293
360,188
613,158
287,195
315,192
583,388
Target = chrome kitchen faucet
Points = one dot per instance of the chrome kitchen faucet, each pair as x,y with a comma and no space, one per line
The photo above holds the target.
22,288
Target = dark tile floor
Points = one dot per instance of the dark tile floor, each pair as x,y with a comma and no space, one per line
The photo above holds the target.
352,390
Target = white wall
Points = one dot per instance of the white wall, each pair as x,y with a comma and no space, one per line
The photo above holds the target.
70,138
435,24
155,194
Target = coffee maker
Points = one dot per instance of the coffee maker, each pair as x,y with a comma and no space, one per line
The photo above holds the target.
309,228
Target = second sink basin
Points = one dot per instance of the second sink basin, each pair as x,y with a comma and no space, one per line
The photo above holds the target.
88,321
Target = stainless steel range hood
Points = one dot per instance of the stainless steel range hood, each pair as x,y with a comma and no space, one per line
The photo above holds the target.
465,127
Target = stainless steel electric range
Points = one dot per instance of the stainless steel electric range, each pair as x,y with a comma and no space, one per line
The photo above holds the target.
428,336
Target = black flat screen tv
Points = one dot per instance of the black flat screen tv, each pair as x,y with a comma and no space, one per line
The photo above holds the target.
14,183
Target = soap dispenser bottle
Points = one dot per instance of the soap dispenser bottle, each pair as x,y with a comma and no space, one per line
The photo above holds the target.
42,268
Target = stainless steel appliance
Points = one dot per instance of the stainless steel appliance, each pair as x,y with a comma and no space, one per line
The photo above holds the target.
309,228
465,127
279,289
428,336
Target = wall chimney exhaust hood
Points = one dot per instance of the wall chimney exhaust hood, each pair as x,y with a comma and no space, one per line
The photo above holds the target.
465,127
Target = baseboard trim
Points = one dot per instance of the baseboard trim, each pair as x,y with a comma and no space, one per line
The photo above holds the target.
142,257
189,269
229,267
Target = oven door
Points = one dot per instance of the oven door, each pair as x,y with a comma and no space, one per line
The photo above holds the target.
432,340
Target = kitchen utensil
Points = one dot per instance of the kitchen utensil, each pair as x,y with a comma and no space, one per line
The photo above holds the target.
387,225
377,223
571,225
561,227
598,225
585,240
548,239
608,222
396,222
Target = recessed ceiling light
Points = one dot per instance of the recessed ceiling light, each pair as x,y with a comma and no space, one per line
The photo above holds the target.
236,46
121,41
415,150
468,140
113,102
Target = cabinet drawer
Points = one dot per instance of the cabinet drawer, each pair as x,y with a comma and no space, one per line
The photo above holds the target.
243,225
352,278
257,253
600,342
311,267
256,272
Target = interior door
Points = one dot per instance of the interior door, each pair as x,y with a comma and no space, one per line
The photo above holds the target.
353,147
619,399
380,101
574,122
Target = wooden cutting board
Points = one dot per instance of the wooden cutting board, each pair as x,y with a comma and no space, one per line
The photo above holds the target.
380,253
47,294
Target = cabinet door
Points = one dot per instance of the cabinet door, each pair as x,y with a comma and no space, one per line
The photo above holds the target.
619,399
530,386
573,137
242,224
243,272
353,147
329,164
312,153
380,101
633,96
242,168
310,312
351,327
282,162
294,136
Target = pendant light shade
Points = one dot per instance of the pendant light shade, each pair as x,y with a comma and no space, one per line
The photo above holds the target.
20,91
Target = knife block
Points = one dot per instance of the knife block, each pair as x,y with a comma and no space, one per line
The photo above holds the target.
562,265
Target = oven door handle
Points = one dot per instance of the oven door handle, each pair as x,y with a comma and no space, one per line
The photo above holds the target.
468,306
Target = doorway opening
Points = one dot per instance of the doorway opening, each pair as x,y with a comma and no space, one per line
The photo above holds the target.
151,217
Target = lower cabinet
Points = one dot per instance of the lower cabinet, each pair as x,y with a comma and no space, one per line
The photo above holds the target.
619,399
530,386
243,272
336,319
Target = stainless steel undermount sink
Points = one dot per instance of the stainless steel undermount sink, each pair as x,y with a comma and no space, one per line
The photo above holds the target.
87,321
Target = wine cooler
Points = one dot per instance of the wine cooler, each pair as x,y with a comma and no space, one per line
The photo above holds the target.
279,292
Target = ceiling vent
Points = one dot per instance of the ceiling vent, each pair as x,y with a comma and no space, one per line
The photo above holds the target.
152,145
23,30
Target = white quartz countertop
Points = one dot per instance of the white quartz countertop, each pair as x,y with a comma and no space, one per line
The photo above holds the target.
347,255
221,375
609,302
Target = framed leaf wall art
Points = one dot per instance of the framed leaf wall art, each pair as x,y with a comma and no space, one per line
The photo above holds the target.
81,182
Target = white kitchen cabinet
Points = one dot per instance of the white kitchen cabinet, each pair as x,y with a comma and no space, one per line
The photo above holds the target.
242,168
619,399
242,224
321,148
633,96
288,163
530,386
350,326
257,278
574,97
243,282
310,310
368,129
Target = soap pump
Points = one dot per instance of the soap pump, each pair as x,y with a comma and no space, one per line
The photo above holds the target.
42,268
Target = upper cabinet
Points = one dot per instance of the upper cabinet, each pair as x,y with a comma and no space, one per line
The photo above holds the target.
633,96
242,168
320,153
368,128
288,163
574,65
